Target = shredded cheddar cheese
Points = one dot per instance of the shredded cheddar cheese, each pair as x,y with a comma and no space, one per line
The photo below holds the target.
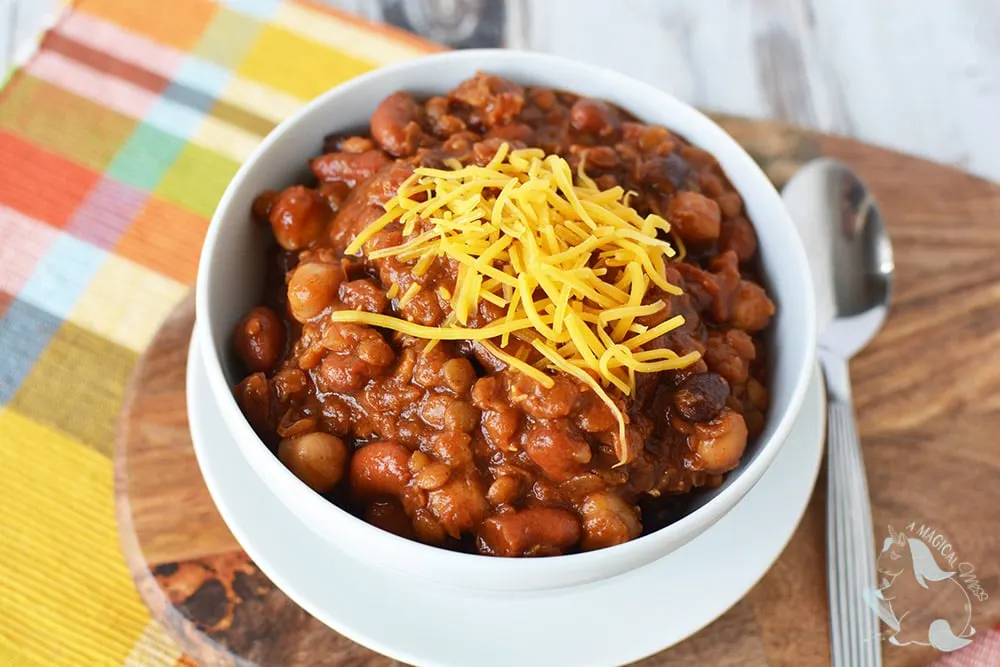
571,266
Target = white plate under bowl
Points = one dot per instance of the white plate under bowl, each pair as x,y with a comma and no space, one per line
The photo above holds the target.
610,622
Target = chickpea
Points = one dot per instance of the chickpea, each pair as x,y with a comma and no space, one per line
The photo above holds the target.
318,459
259,339
380,469
720,444
311,289
299,217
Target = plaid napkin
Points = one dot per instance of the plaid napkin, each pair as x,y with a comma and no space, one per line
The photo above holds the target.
116,141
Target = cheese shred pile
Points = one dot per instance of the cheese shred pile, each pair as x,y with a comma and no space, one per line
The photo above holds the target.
572,267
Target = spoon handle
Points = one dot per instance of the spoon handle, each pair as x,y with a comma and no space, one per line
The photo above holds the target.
850,546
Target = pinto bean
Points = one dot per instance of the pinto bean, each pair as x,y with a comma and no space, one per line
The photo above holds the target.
535,531
259,339
380,469
318,459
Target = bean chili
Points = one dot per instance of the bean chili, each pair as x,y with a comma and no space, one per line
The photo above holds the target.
446,445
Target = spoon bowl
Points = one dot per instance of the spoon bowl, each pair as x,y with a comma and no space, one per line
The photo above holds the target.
849,253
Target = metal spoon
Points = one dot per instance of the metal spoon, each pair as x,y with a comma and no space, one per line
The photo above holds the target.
852,267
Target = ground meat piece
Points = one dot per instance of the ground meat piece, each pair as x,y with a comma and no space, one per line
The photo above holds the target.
363,294
695,217
594,117
608,520
493,100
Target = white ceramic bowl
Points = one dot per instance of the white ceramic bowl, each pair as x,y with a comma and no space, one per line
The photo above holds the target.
230,280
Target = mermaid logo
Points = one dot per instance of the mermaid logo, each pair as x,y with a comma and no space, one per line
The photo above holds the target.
921,601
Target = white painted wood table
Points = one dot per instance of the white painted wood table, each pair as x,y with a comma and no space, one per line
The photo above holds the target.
920,76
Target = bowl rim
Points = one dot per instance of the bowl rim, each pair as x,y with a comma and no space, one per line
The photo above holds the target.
412,551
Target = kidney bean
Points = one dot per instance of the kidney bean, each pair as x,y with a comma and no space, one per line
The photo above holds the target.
349,168
380,469
254,397
557,451
395,125
259,339
535,531
299,218
389,515
263,203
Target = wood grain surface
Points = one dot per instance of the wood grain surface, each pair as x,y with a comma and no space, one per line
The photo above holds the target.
927,394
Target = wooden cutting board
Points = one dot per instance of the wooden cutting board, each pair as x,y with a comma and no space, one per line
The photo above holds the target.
928,400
